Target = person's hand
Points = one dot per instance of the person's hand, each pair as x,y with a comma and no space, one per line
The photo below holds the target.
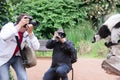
55,35
23,22
29,29
58,37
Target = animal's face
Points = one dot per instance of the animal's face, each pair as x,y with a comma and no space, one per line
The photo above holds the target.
102,33
96,38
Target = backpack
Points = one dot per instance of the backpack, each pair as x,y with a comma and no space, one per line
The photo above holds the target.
74,57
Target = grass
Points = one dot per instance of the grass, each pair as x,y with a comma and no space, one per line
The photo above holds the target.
43,54
93,50
11,75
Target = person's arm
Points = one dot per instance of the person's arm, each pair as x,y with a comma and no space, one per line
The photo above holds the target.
32,39
50,44
34,42
8,31
68,46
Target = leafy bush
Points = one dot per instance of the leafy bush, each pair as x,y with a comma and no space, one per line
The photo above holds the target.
76,17
52,15
4,13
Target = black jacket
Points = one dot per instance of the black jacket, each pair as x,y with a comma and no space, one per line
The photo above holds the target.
61,52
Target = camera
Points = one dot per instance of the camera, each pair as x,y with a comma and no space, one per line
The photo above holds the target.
34,23
62,34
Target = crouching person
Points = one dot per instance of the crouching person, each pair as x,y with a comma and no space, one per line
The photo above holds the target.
64,54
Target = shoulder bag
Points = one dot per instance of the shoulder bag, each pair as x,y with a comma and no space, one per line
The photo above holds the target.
27,55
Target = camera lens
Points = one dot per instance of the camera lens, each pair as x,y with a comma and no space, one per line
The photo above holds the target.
34,23
61,34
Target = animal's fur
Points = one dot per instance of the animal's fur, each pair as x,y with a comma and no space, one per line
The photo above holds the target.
108,31
105,30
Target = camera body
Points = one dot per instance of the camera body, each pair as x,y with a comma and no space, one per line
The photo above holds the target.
33,22
62,34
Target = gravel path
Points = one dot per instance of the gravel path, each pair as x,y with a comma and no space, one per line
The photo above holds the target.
84,69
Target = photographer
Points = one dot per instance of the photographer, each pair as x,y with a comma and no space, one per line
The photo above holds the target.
9,51
63,50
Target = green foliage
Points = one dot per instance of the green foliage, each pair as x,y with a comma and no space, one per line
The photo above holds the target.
52,15
118,6
88,49
11,75
78,18
83,32
98,9
69,15
43,54
4,12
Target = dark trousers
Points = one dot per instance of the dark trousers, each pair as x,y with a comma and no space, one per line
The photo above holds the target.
57,73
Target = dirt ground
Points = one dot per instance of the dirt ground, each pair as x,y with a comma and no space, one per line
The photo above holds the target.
84,69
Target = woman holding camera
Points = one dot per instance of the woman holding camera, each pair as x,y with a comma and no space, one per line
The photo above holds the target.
9,51
63,49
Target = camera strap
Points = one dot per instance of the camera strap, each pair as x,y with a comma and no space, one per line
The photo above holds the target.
18,43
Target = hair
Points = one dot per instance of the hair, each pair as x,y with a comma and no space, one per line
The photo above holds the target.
20,17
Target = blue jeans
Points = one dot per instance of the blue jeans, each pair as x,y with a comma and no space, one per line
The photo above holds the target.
57,73
16,64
